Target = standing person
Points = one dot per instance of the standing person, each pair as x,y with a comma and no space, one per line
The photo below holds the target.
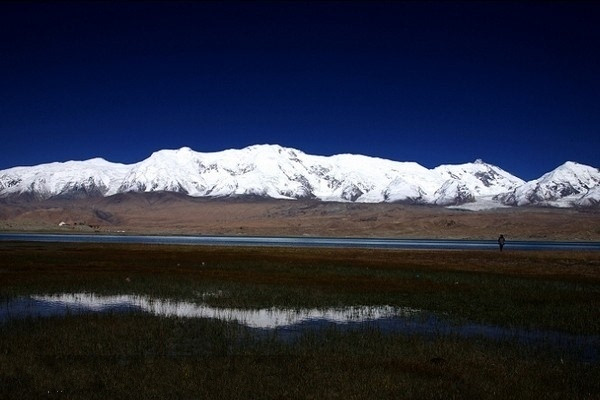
501,241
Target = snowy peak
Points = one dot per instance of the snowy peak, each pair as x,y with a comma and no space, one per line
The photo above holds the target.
273,171
583,177
68,179
464,183
482,178
561,187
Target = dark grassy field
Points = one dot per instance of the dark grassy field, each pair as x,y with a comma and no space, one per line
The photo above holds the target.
143,356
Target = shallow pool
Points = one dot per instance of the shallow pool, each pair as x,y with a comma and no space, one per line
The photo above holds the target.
290,323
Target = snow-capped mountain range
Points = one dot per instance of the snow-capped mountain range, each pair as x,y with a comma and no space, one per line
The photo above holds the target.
273,171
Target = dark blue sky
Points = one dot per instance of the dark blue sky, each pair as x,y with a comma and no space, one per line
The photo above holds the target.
514,83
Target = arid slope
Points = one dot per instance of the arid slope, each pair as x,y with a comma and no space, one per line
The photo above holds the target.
168,213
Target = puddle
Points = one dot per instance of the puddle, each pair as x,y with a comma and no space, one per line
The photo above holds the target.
289,323
267,318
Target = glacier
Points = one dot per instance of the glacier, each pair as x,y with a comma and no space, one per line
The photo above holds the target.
273,171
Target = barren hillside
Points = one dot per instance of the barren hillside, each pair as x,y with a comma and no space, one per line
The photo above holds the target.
168,213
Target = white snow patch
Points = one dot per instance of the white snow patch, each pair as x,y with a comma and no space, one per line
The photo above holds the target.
480,204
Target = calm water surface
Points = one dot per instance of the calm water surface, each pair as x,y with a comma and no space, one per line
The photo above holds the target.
290,323
283,241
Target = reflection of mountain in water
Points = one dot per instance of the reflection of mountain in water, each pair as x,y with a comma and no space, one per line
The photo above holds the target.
288,323
266,318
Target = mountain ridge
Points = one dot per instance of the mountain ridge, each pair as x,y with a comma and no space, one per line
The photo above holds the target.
277,172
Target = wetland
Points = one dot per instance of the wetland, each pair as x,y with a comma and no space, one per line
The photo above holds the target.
152,321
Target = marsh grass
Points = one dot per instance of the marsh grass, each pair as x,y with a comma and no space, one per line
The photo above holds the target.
534,290
141,356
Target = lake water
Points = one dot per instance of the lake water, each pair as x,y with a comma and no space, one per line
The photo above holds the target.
383,243
290,323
